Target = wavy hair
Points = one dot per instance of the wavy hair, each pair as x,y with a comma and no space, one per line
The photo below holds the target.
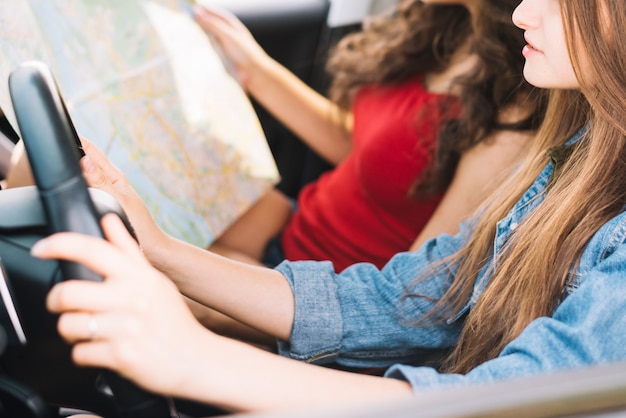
587,191
420,38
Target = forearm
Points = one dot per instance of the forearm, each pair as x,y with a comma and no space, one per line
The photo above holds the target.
166,350
479,172
256,296
311,116
239,377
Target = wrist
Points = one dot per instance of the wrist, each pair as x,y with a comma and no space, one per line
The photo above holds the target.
263,70
155,247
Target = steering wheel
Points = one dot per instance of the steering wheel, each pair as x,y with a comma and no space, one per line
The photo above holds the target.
53,149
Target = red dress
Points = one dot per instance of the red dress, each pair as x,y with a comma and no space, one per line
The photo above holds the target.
360,210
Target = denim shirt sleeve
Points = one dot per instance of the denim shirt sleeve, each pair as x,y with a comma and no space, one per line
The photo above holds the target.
355,318
587,328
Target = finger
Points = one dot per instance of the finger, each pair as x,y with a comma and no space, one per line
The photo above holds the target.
215,25
93,354
89,325
113,355
116,233
102,174
97,168
83,295
217,13
95,253
215,17
93,174
80,326
90,149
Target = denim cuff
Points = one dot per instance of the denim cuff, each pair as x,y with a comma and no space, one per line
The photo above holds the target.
424,379
317,329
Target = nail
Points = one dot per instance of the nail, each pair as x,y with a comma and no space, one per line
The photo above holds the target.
88,165
39,247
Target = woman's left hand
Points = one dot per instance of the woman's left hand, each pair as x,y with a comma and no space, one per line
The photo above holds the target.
135,322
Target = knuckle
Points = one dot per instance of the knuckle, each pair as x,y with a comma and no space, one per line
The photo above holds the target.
131,327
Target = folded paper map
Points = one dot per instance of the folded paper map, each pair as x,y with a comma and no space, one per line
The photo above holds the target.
143,82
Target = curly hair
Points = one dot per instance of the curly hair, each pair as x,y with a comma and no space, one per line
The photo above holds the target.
419,38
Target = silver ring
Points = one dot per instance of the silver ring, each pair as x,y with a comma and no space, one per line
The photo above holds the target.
92,328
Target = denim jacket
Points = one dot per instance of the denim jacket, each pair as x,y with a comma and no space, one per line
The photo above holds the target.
356,318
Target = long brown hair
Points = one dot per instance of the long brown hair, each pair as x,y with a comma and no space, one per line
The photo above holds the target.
529,276
420,38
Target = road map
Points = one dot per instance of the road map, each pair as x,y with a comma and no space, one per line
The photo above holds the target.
143,82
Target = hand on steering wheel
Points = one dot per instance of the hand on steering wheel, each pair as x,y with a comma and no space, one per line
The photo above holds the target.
54,149
143,328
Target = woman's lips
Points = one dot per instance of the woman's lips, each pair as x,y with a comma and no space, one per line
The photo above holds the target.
529,49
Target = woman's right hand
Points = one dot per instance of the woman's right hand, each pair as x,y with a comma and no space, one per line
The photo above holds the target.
237,42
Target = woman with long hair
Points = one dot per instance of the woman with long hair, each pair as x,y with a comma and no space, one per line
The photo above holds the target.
535,283
434,89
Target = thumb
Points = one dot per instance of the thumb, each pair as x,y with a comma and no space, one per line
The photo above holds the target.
94,176
98,170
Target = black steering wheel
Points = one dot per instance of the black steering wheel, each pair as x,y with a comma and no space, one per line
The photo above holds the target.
42,359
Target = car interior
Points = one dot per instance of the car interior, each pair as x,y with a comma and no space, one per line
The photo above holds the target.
37,377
